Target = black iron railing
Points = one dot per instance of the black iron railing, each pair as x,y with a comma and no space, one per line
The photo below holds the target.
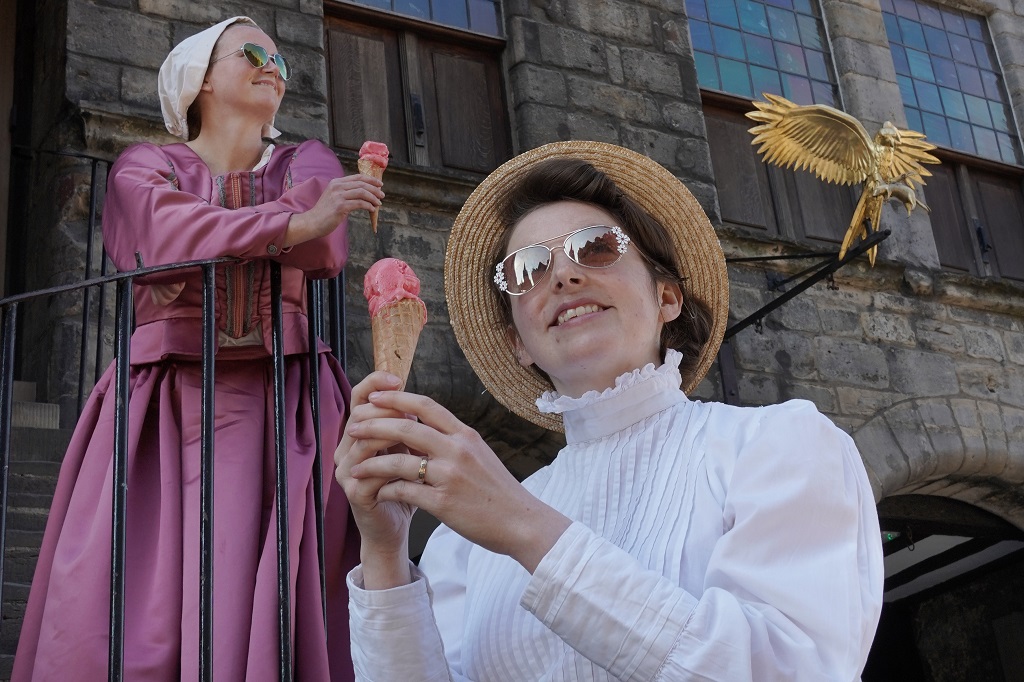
122,333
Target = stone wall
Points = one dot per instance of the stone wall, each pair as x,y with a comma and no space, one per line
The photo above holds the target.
923,367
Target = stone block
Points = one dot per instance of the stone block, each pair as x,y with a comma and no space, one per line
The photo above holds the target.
784,353
309,79
822,396
583,126
1014,344
850,362
531,83
921,373
887,328
883,457
937,414
758,389
693,164
966,413
981,381
948,447
939,336
798,314
684,118
838,322
300,29
627,105
614,57
873,98
661,147
184,10
524,40
138,86
651,71
622,21
744,300
539,124
570,49
865,402
894,303
93,80
983,343
914,442
90,28
859,22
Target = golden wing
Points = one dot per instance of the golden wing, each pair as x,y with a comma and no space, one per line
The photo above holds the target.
906,159
830,143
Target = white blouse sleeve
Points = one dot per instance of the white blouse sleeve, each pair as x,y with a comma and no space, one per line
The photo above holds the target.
397,634
793,587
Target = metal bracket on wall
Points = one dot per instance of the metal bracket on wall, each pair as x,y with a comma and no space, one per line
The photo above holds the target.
823,269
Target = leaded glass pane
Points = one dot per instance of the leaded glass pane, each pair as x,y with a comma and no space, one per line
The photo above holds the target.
949,78
728,42
986,142
759,51
700,36
482,16
748,47
734,77
953,103
783,25
753,18
707,74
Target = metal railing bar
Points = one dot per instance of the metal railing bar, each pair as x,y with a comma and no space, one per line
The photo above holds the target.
315,320
98,366
87,294
115,277
206,473
120,484
10,324
336,307
281,470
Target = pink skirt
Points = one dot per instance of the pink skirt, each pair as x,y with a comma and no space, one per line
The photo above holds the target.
65,633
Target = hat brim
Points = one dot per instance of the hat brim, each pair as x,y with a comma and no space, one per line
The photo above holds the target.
473,300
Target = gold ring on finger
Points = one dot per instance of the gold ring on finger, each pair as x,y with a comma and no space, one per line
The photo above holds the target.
423,470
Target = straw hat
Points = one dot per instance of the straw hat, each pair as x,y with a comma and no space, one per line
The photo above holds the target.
473,301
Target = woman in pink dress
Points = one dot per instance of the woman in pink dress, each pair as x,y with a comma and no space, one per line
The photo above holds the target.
223,192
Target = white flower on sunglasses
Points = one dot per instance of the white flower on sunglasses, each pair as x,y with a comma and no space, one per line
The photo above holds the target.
499,276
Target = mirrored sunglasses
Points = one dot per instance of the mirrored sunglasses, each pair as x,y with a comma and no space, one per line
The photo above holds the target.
596,246
258,57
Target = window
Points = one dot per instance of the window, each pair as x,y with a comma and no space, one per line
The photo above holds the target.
953,91
483,16
743,48
434,94
950,80
746,47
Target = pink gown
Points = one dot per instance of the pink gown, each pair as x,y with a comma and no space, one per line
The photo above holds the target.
163,204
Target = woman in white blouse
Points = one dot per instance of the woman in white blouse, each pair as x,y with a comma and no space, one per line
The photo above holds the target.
670,539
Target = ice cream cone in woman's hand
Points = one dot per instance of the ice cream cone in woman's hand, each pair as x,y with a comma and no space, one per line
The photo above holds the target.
373,159
397,315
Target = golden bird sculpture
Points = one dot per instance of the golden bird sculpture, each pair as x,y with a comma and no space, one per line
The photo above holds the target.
836,147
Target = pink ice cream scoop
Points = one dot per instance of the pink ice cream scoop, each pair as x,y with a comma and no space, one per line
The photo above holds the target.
373,159
375,152
397,315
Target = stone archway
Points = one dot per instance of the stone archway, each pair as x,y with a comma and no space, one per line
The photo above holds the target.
962,448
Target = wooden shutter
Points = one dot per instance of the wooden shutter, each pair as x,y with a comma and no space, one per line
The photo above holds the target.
366,87
819,210
949,221
1001,206
742,179
466,121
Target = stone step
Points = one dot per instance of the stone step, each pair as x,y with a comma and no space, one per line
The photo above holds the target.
24,391
23,539
35,415
20,564
33,477
26,518
31,444
16,497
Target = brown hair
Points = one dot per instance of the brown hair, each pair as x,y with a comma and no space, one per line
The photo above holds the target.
577,180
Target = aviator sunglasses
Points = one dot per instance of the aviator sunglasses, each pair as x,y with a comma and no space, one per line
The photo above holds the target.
258,57
597,246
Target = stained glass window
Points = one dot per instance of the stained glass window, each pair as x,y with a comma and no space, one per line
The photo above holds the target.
482,16
747,47
949,78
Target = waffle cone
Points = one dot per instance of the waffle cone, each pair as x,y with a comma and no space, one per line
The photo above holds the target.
396,329
367,167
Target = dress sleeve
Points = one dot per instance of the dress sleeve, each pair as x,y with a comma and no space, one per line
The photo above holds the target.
792,589
412,632
311,169
146,214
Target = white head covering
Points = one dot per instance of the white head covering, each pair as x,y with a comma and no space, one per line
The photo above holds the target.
182,74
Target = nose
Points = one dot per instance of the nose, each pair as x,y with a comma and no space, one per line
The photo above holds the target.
563,270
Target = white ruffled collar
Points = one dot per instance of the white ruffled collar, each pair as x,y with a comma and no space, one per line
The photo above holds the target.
635,396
